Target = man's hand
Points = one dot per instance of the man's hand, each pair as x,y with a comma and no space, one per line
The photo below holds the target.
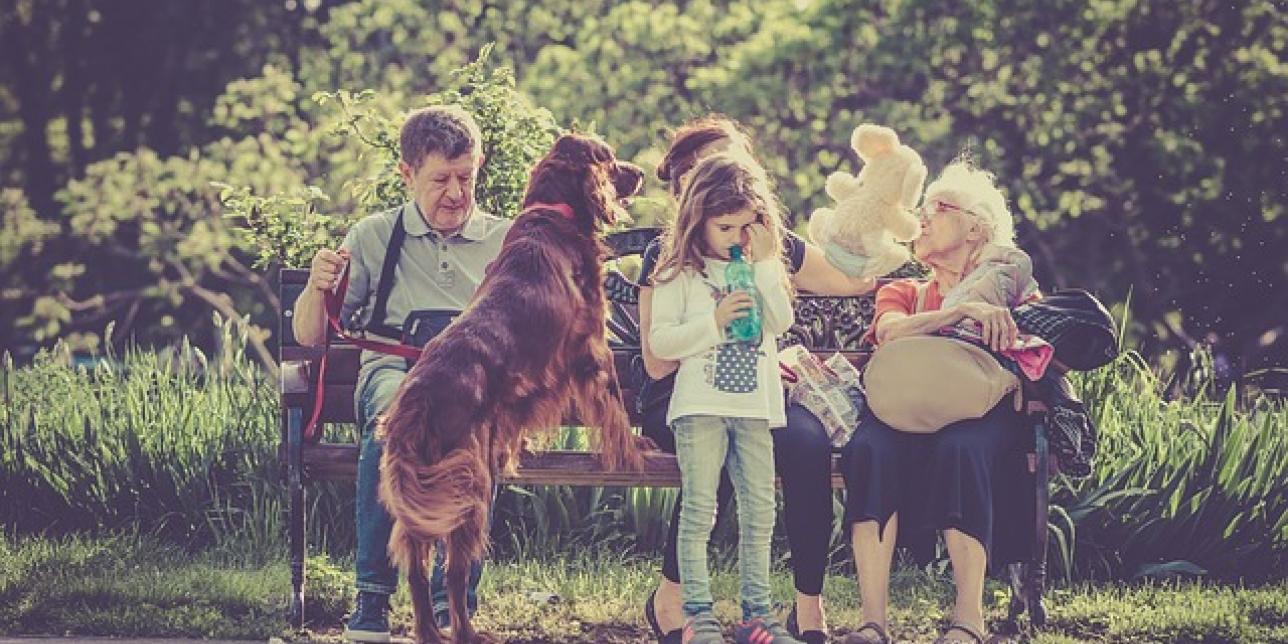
737,304
996,324
324,272
760,242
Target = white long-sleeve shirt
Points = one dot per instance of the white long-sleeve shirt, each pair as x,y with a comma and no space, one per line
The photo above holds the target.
718,377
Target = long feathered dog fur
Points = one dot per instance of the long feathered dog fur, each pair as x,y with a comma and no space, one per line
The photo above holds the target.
529,347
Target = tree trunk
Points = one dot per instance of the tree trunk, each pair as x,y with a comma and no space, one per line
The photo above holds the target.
22,44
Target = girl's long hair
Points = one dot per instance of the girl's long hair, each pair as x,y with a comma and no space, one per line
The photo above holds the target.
721,184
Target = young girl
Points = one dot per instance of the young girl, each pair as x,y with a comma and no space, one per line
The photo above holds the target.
728,394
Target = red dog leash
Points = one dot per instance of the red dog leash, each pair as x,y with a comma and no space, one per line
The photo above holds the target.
334,302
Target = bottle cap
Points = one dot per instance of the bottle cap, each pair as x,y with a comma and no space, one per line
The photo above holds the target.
735,252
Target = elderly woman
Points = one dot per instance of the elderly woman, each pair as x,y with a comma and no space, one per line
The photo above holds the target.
802,451
963,480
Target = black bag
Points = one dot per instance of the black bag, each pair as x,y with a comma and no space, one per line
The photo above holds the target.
1076,324
421,326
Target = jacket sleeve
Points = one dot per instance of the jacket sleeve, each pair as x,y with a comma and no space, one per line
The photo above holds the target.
674,332
771,282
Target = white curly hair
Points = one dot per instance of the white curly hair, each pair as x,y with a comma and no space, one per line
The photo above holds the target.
975,191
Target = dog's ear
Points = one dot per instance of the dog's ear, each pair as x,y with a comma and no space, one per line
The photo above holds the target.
628,178
599,195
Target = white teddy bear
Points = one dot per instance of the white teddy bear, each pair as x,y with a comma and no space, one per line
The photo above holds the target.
874,209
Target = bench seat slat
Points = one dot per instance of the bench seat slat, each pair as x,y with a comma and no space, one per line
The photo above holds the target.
551,467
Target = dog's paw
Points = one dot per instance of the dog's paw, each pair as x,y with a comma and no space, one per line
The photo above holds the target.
645,444
525,448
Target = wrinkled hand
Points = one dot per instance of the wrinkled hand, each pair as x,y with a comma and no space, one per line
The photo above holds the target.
324,272
760,243
996,324
737,304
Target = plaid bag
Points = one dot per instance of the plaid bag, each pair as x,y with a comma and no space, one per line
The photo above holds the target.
1076,324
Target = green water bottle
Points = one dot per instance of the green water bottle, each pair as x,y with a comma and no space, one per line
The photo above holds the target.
740,276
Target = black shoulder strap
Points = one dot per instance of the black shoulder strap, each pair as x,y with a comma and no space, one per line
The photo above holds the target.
386,285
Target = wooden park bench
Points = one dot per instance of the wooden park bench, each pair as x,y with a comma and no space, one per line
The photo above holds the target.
824,325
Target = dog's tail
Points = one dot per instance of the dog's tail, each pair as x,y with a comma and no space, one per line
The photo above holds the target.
432,501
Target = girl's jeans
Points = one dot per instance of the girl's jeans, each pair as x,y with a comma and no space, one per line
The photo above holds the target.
705,444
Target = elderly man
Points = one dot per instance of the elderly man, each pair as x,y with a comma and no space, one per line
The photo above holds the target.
409,269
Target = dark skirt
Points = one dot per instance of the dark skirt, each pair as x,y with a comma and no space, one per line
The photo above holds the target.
971,476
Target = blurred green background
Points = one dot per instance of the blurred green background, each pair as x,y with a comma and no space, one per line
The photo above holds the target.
1140,142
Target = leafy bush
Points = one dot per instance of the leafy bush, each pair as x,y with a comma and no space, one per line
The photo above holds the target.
287,230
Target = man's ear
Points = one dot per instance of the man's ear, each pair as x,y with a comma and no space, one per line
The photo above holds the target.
405,171
482,160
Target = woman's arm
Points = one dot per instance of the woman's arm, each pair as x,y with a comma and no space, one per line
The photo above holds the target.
819,276
897,324
998,327
656,367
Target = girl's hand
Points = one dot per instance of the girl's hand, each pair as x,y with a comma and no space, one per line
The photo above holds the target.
737,304
996,324
760,243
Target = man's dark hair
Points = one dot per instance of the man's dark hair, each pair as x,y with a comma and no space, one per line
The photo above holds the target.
447,130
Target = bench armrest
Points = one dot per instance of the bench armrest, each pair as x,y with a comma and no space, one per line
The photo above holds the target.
296,377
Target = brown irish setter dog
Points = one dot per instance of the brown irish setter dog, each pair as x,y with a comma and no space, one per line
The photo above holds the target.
529,348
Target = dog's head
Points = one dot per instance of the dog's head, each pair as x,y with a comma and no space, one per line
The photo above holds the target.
583,172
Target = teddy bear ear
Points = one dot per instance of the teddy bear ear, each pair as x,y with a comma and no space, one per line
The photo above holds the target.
872,140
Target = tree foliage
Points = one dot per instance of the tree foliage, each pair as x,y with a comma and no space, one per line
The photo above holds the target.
1140,142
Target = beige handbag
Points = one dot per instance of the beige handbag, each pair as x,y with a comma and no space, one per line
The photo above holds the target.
922,383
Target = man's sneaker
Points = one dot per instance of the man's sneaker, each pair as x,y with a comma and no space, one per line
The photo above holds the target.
702,629
369,621
762,630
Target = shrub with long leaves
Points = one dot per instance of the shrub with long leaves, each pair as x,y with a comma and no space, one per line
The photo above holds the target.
184,446
163,441
1181,487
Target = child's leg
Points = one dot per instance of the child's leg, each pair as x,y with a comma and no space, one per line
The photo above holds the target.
751,467
700,447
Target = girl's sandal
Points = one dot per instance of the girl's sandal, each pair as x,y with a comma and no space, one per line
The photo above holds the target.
869,633
949,637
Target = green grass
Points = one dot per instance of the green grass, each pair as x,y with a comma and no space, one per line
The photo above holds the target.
137,586
134,587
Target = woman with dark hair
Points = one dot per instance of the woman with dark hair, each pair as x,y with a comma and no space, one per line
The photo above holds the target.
802,451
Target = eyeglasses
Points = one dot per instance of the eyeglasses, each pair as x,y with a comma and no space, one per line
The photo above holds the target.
935,207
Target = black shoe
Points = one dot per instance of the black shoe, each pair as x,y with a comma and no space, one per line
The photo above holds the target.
369,621
809,637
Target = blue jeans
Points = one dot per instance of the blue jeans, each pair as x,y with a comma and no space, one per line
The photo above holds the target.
703,445
375,574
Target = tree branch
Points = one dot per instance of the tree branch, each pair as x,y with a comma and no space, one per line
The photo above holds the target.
254,278
255,335
223,304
